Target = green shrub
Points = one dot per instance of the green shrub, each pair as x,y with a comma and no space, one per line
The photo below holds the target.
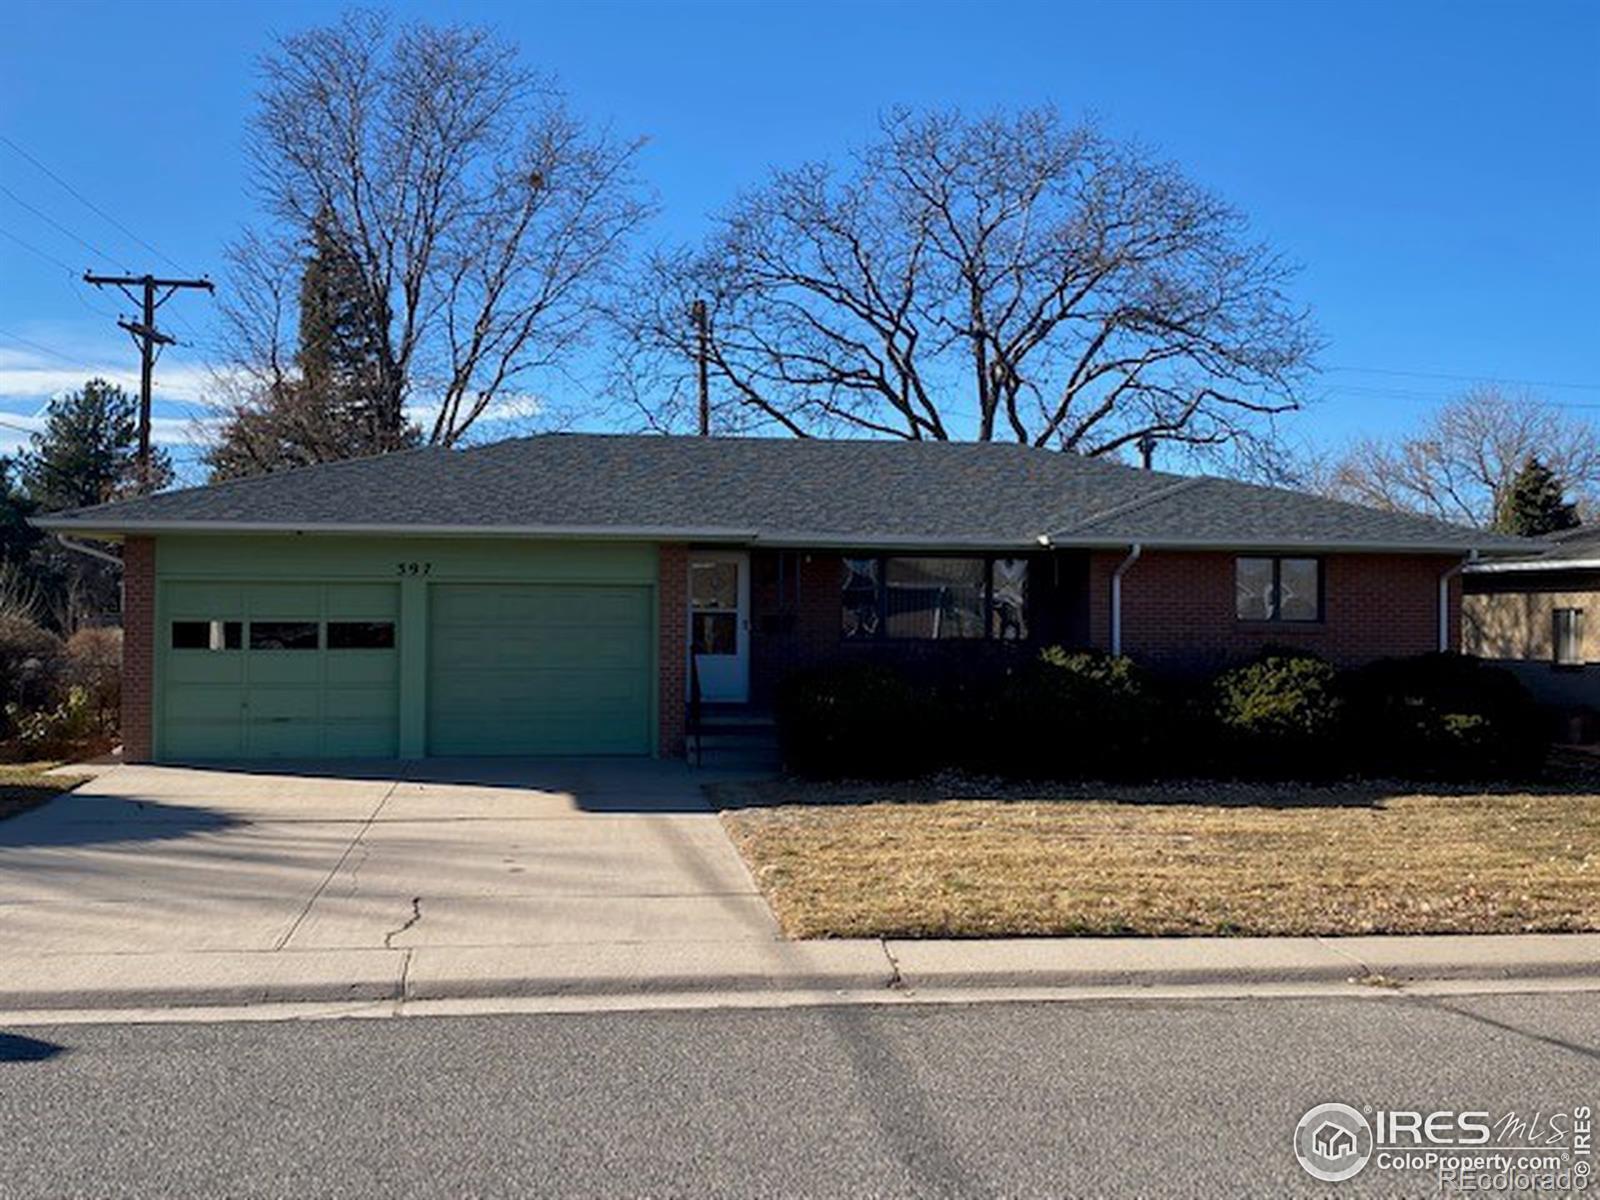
51,732
31,665
1072,714
862,722
1279,716
94,663
1442,716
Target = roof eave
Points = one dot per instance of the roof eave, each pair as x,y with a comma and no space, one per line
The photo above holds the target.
1324,545
566,532
1536,564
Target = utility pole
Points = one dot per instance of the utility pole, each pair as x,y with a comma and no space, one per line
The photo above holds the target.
702,353
148,338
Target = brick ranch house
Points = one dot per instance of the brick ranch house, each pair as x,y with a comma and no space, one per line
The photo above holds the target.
556,594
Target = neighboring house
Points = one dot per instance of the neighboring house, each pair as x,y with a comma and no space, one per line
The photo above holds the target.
543,595
1540,616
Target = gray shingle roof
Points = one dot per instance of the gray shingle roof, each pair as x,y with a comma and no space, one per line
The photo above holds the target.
778,491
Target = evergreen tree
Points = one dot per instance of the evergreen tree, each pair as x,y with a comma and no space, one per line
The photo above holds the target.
17,537
87,452
1535,504
335,406
341,354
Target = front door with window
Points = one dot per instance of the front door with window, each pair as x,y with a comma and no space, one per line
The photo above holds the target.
719,625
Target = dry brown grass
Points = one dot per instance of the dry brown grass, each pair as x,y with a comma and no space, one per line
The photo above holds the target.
954,859
24,786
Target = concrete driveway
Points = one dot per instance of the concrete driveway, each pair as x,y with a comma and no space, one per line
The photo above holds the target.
355,858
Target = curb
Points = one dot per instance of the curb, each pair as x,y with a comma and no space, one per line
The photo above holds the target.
817,968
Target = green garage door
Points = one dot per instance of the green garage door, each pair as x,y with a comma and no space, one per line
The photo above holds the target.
538,669
269,670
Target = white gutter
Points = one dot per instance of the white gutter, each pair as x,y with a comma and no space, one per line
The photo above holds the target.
587,532
1537,564
1116,595
785,539
1444,598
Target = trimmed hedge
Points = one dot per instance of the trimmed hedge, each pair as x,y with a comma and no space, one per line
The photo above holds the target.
1280,715
1443,716
853,722
1072,714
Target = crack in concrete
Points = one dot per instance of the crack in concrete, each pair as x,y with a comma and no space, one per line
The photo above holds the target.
1364,971
896,980
416,915
348,850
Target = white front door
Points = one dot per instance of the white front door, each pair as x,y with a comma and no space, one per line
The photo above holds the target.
719,624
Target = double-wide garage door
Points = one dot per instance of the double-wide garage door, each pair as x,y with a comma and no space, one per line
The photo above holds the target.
538,669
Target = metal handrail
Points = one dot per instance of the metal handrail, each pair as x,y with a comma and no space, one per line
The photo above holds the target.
694,703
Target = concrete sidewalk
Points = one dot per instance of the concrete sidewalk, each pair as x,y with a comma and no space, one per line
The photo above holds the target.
155,887
744,968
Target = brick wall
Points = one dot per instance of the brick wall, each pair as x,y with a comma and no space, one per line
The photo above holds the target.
1178,609
138,647
672,587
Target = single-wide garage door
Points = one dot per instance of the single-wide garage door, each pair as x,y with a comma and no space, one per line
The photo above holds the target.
538,669
278,670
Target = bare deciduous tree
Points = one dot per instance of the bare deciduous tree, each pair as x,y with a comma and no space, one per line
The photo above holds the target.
1460,463
483,217
1008,277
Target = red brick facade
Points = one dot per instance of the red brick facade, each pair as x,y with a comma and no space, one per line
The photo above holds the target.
672,602
138,647
1177,613
1178,609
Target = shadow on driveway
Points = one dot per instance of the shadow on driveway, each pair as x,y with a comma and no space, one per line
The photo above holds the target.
73,819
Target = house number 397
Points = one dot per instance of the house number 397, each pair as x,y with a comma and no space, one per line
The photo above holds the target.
414,568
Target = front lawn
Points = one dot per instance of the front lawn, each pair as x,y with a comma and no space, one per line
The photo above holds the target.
955,859
25,785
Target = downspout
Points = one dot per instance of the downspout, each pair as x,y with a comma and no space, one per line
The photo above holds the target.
104,556
1444,599
91,551
1116,595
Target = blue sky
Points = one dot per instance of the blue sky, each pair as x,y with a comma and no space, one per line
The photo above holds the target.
1434,167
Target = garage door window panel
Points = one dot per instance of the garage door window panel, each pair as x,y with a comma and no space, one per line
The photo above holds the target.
285,635
207,635
360,635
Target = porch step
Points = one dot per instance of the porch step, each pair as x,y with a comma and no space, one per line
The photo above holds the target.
736,737
736,717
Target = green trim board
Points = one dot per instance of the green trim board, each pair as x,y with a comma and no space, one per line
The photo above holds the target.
210,577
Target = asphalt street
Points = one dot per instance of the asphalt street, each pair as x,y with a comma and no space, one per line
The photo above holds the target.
1181,1098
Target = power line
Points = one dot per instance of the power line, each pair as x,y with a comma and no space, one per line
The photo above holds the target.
1584,387
46,255
90,204
1360,391
60,228
41,349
